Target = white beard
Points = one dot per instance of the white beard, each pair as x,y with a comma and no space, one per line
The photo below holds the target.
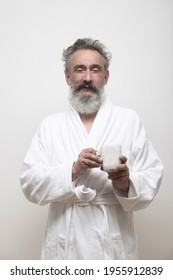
86,104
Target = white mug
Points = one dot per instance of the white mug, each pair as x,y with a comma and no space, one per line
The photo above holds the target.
110,155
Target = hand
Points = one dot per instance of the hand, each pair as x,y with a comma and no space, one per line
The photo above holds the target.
87,158
120,175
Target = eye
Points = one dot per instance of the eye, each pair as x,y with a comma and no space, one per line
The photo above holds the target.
79,69
95,69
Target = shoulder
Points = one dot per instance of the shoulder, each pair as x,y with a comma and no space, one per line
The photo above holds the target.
125,113
54,118
53,121
129,120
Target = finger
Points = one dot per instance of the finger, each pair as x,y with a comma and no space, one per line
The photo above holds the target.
119,173
118,168
90,160
118,176
90,150
89,157
123,159
90,163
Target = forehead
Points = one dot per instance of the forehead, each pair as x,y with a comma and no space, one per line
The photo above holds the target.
87,57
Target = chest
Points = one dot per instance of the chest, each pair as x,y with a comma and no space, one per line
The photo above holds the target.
66,139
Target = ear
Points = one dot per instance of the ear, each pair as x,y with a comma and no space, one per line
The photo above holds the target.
106,76
67,77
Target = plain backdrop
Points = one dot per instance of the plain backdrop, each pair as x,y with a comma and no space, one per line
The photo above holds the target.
33,34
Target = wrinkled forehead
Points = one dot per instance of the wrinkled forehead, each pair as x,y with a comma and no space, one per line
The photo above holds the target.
87,58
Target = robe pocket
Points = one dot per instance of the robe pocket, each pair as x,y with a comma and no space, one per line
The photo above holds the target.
54,247
117,246
64,253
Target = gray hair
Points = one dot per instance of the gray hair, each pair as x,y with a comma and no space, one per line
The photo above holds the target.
86,43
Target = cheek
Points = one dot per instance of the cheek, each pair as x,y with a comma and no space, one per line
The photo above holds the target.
77,79
73,79
100,81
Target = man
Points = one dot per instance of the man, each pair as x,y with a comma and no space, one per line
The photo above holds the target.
91,211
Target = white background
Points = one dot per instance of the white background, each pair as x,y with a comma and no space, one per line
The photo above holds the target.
33,33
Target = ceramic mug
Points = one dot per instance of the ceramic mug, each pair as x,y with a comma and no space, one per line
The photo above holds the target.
110,155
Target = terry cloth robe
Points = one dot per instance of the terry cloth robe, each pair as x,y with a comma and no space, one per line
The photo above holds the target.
89,218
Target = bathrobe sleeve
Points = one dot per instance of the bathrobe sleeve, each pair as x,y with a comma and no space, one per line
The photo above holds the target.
41,181
146,170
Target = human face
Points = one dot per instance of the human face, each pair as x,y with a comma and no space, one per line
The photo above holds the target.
87,71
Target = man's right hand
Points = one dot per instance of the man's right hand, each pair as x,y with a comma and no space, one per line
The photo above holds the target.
87,159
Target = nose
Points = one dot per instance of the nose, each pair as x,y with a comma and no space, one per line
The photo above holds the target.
87,76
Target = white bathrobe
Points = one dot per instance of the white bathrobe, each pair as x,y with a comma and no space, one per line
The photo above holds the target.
88,218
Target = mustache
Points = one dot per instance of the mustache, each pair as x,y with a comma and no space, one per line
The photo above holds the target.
87,85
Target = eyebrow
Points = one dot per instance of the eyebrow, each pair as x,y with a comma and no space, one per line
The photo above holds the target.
79,66
91,67
96,66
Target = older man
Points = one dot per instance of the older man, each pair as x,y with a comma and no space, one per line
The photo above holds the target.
91,210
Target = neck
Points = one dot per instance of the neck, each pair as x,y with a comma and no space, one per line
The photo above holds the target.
88,120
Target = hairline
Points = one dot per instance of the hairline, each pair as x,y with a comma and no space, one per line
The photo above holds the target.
86,44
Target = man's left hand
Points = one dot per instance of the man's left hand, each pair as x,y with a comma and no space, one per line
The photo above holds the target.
119,175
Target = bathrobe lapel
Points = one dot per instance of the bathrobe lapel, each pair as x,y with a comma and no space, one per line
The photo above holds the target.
79,138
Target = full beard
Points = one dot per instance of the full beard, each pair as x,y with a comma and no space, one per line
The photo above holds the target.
86,104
